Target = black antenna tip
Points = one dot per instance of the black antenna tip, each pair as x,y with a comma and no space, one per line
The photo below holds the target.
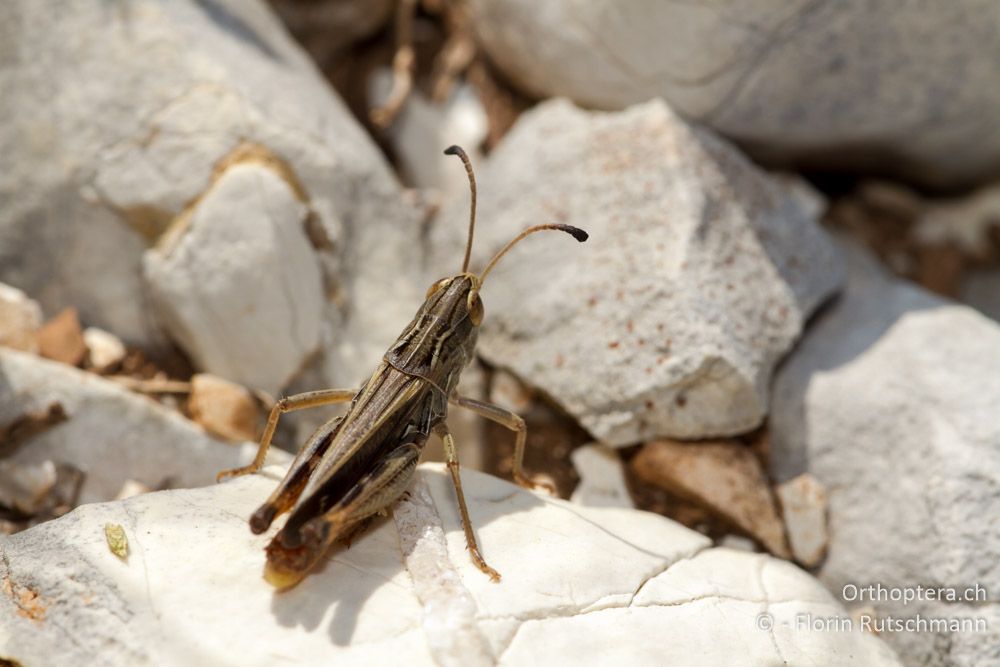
453,150
576,232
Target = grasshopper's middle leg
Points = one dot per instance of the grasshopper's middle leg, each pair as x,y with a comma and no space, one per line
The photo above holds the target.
470,537
309,399
513,422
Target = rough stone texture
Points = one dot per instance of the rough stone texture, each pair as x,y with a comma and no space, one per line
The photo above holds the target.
110,433
858,85
803,503
724,477
697,277
126,123
222,408
581,586
891,402
238,276
602,478
20,319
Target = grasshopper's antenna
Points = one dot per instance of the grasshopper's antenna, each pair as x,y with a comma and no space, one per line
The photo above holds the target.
576,233
457,150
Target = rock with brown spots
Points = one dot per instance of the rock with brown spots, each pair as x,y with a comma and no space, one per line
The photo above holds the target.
724,477
198,133
697,278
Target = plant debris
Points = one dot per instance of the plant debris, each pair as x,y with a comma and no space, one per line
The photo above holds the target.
117,540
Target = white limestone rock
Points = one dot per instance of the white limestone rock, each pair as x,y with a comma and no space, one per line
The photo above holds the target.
891,402
20,319
846,84
205,123
602,478
240,286
697,278
105,350
803,502
110,433
580,585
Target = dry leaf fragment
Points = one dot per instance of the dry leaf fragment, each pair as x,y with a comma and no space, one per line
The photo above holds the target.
117,541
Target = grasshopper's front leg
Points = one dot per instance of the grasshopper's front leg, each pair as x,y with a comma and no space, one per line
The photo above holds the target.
309,399
470,538
513,422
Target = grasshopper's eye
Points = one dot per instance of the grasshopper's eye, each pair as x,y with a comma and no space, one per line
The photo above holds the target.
475,305
436,286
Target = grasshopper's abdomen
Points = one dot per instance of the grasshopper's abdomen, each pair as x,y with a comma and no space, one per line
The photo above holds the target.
392,409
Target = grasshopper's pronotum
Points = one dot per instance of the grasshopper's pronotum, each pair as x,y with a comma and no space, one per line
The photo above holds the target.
357,465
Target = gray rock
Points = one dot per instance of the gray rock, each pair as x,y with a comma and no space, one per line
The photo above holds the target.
326,28
241,277
697,277
580,586
110,433
129,135
980,289
890,401
853,84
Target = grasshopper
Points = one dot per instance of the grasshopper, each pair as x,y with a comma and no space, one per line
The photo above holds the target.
356,466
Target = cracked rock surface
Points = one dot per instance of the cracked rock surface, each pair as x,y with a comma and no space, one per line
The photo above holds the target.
891,402
698,276
828,83
580,585
234,141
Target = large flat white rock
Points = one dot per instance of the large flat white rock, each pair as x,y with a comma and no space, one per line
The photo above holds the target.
580,586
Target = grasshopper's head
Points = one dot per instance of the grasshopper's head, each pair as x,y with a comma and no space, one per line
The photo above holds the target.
457,298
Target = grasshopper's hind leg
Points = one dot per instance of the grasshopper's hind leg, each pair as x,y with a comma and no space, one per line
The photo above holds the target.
310,399
373,493
287,494
514,423
470,536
